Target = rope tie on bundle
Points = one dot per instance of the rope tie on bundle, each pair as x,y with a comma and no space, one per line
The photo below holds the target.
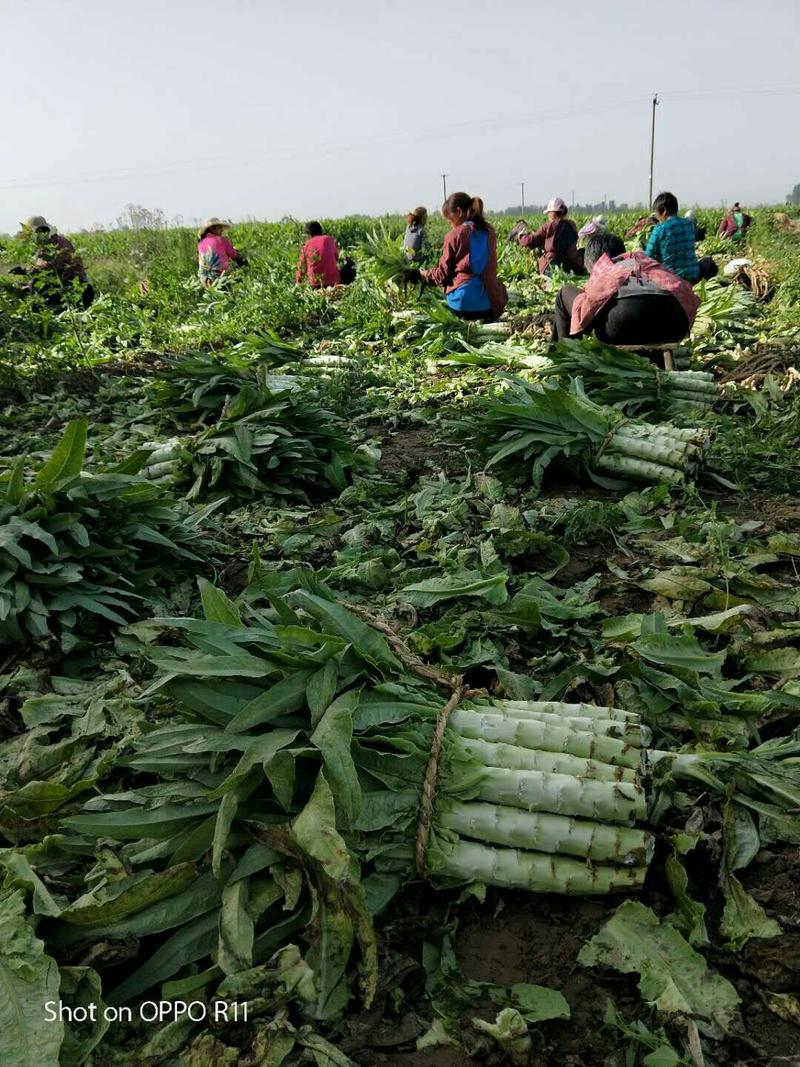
455,683
608,438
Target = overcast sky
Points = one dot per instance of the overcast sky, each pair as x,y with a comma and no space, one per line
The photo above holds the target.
252,108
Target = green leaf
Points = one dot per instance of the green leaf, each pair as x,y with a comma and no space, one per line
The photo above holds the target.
222,828
315,831
29,980
217,607
537,1002
690,917
667,650
672,976
286,696
337,620
236,929
16,481
80,987
743,917
66,460
190,943
432,591
128,896
322,688
333,737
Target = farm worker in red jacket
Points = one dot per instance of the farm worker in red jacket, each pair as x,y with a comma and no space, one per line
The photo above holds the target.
557,238
735,224
467,270
628,299
319,259
215,253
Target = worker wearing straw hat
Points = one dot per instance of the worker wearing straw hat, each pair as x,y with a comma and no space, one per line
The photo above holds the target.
57,267
215,253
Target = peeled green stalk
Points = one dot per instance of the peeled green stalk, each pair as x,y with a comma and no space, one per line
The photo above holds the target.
546,832
639,468
558,707
650,451
494,754
622,802
468,861
679,433
545,736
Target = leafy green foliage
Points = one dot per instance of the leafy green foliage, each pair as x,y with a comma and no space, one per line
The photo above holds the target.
76,547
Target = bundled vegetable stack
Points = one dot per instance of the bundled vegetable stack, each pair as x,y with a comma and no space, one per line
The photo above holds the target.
275,441
80,550
434,330
541,422
312,766
525,795
384,257
628,381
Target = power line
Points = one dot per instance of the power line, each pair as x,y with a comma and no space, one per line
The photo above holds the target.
526,119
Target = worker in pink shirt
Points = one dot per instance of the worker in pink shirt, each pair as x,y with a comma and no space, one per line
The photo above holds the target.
214,251
319,259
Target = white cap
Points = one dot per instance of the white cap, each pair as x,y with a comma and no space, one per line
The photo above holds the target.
556,204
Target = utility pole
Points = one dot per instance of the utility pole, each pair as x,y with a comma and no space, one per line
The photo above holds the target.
522,186
652,150
572,202
444,185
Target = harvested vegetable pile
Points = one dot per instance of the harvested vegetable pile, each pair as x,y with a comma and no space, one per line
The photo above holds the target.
397,707
544,422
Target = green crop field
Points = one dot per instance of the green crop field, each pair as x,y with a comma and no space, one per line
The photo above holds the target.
383,689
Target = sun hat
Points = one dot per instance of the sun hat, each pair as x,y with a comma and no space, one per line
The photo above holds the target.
213,221
556,204
36,222
601,220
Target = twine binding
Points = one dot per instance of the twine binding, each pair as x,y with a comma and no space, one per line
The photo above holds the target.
458,692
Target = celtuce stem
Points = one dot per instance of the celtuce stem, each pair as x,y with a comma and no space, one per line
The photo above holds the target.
546,832
469,861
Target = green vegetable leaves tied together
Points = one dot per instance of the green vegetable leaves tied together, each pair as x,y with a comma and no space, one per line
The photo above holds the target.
283,801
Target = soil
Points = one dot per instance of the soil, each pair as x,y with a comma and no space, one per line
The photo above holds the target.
516,937
409,451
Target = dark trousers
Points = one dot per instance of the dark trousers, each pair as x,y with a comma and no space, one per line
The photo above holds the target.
708,268
635,320
475,316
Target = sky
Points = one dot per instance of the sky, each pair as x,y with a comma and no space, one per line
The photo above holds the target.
257,109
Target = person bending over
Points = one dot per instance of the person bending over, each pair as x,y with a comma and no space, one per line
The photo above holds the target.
672,242
735,224
414,240
557,238
57,267
467,270
319,259
629,299
215,253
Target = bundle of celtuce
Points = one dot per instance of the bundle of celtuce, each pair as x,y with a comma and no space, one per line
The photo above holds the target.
279,442
533,424
79,551
629,381
307,741
538,796
384,258
313,767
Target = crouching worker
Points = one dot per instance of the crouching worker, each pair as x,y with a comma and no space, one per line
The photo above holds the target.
57,267
215,253
629,299
467,270
557,239
319,259
673,239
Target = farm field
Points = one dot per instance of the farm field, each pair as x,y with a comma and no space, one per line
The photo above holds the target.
264,549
